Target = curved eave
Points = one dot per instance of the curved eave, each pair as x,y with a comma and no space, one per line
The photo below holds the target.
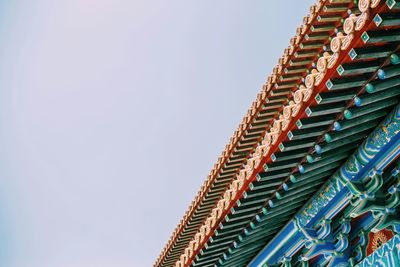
311,40
330,103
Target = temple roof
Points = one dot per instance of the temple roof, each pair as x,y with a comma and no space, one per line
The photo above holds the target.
337,79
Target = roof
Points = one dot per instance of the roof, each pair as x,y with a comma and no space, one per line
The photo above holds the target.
331,60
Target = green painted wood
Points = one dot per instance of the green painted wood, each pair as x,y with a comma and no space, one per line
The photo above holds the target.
296,77
281,91
337,135
322,28
388,19
273,166
314,36
345,149
299,62
355,122
348,69
313,179
296,190
253,240
295,69
389,72
256,201
290,197
367,99
374,37
324,109
371,52
306,53
294,154
355,112
334,97
296,144
315,46
328,18
270,176
345,83
315,121
298,177
342,142
393,4
335,8
324,161
257,193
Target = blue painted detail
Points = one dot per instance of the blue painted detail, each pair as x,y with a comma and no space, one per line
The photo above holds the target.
290,135
381,74
318,149
275,244
353,54
396,228
285,187
270,203
337,126
225,256
377,20
301,169
357,101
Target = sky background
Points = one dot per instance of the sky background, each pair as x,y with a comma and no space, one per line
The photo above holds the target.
113,112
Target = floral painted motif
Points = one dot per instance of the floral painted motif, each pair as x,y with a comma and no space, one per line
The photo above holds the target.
387,255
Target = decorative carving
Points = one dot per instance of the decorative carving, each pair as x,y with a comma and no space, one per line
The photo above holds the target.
363,5
287,110
332,60
314,206
361,20
310,79
347,41
336,42
377,240
322,63
375,3
386,255
350,24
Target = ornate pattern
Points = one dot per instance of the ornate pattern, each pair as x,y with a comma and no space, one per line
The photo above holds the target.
384,133
325,195
388,255
377,240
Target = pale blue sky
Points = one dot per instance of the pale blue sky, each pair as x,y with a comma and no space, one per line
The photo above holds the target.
112,113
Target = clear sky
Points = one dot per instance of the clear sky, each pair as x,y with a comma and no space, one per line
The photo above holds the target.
113,112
